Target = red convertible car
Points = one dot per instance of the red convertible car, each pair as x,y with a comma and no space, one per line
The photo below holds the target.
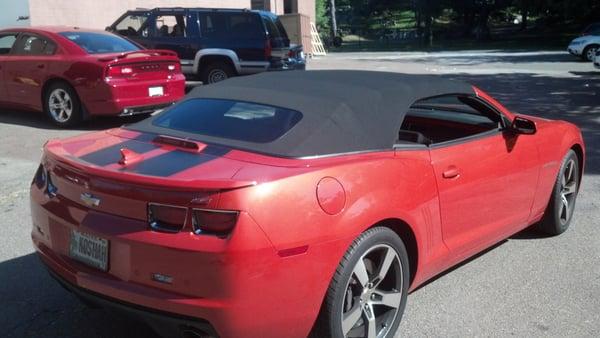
252,210
72,74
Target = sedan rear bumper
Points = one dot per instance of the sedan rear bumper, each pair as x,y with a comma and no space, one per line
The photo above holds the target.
115,97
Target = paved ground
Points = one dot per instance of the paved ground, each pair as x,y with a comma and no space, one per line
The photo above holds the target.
525,286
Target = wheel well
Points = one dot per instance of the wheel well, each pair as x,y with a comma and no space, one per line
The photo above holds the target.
403,230
208,59
50,82
579,152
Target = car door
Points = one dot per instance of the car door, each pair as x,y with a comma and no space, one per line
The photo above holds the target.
7,41
26,68
173,30
486,175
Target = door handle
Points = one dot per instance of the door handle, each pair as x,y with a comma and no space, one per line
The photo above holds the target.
451,172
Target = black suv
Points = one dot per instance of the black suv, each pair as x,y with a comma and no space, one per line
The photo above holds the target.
214,44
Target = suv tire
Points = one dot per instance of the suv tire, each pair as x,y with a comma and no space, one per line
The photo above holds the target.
216,71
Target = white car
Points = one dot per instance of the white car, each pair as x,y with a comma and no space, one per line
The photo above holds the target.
586,45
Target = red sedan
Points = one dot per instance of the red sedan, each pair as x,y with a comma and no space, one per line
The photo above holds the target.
72,74
253,210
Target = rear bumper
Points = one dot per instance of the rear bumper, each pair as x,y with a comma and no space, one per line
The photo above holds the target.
115,97
165,323
222,283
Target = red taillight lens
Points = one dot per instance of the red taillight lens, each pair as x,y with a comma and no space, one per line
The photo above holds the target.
268,49
166,218
119,71
174,67
213,222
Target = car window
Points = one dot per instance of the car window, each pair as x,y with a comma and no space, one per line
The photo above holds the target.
6,43
226,119
133,25
98,43
171,26
276,32
231,25
29,44
451,117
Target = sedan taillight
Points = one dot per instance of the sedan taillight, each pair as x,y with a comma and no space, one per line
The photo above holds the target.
119,71
174,67
213,222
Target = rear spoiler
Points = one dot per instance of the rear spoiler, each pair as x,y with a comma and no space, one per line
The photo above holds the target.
54,151
149,52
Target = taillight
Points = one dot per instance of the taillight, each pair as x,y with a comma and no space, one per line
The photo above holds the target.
119,71
166,218
268,49
174,67
213,222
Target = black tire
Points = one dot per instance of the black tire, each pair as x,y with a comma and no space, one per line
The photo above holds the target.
72,114
341,301
558,216
589,52
216,71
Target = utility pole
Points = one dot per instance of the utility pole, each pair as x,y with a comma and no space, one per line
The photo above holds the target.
333,19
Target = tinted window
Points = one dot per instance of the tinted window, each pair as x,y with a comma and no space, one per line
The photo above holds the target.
97,43
231,25
133,25
171,25
6,43
34,45
242,121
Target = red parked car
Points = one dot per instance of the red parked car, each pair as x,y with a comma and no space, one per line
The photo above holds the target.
73,74
254,210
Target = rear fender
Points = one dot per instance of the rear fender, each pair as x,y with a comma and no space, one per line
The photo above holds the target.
227,53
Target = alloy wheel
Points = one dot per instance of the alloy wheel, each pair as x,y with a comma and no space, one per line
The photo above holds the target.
591,53
373,294
60,105
568,190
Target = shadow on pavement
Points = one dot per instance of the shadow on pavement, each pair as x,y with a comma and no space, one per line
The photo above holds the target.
575,99
35,305
40,121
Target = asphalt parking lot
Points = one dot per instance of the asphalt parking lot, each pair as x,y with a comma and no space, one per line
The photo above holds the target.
524,286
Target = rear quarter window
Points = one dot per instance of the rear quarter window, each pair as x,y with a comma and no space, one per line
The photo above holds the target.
99,43
231,26
226,119
6,43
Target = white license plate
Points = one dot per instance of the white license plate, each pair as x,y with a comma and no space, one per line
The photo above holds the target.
89,249
155,91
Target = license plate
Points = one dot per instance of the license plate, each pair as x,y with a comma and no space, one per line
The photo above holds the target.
155,91
89,249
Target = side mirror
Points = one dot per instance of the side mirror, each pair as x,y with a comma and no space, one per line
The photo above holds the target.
521,125
108,29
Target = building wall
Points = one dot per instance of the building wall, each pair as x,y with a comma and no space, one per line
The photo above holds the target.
101,13
306,7
11,10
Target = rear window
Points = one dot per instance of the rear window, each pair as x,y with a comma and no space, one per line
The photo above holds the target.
98,43
234,120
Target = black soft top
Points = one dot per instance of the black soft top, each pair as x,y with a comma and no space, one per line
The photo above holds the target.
343,111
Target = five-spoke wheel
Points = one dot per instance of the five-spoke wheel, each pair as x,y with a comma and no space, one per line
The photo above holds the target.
560,209
62,105
367,296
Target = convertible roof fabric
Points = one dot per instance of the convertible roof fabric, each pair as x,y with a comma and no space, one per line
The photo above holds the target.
343,111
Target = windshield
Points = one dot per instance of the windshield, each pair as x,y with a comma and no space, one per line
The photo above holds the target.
226,119
98,43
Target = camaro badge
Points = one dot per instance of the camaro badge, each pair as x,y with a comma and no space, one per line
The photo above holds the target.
89,200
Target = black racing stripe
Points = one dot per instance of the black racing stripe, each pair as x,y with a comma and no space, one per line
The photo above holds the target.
112,154
175,161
